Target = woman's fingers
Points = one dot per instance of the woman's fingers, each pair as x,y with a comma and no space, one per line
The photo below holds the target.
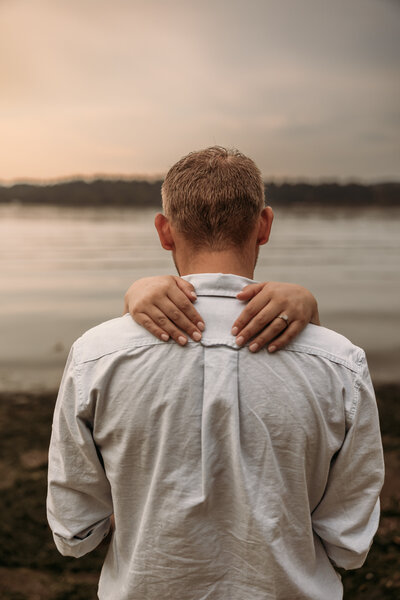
186,287
173,321
147,322
260,299
157,323
251,290
278,334
286,336
184,309
264,324
164,306
261,316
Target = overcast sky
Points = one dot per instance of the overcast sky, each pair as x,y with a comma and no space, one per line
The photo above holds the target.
309,89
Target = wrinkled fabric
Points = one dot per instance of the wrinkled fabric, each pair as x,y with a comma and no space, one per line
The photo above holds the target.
231,475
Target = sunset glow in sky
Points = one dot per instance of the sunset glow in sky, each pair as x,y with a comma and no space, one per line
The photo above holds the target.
308,89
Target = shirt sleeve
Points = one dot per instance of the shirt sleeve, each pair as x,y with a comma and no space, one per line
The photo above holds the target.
79,503
347,517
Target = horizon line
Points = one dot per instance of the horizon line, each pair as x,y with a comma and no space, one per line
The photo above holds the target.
153,178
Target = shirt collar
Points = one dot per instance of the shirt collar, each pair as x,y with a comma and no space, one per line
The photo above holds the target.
217,284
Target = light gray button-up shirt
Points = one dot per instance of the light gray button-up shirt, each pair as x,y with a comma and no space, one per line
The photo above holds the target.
231,475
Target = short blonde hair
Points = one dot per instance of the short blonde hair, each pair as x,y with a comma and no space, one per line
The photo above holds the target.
214,197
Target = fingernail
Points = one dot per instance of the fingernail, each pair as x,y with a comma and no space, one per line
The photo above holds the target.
182,340
193,294
165,337
234,330
201,325
253,347
271,348
240,340
196,336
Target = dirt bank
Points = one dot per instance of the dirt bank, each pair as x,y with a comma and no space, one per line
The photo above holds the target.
32,569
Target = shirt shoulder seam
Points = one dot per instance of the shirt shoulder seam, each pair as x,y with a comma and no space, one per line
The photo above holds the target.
351,365
77,372
137,343
357,385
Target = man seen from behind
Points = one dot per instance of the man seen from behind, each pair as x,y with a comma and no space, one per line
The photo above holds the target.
230,475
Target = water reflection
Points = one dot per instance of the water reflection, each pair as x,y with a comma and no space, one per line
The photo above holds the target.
64,270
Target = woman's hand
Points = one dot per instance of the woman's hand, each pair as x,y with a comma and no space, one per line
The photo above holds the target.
268,303
163,306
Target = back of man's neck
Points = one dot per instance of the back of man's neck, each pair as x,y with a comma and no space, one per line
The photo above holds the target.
217,262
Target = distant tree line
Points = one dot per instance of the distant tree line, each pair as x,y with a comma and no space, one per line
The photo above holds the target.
102,192
350,194
141,193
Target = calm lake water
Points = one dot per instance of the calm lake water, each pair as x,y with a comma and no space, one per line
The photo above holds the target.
64,270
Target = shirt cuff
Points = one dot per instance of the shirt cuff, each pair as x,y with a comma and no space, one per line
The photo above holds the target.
85,542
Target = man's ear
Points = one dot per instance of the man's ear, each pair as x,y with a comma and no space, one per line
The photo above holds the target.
164,231
265,224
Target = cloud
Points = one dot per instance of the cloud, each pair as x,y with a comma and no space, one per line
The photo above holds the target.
128,86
